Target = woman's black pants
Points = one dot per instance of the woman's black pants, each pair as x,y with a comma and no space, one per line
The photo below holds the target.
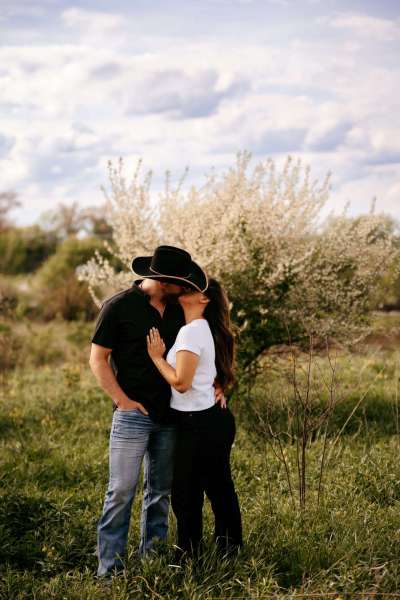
202,465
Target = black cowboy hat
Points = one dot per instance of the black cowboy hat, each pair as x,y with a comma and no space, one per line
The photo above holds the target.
172,265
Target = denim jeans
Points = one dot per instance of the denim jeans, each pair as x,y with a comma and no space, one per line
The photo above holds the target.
135,436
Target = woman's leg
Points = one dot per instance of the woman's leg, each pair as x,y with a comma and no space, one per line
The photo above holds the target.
218,481
187,493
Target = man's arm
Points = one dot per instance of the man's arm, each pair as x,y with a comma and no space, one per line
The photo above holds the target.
104,374
219,394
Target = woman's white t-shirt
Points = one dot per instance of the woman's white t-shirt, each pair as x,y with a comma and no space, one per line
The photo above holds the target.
196,337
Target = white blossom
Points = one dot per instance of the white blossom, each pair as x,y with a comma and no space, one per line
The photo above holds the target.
262,234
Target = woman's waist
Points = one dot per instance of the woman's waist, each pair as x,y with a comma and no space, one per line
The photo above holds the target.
193,414
216,423
193,400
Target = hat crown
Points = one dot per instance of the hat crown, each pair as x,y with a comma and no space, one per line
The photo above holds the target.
168,260
173,265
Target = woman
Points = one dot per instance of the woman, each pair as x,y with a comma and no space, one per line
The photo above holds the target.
203,350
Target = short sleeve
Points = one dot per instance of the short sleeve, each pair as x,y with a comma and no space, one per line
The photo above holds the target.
105,333
187,339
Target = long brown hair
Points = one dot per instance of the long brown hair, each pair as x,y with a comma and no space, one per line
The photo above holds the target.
217,315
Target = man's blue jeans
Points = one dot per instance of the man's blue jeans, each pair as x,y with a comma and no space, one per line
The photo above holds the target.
135,436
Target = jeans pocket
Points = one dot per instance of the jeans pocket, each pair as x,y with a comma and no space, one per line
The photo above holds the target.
130,424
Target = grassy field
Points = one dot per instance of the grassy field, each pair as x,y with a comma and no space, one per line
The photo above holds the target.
54,426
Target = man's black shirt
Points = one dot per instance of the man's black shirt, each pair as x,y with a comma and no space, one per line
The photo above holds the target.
123,323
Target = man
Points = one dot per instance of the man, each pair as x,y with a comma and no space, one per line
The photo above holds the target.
142,426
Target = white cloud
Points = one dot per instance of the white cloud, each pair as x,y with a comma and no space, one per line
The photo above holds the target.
366,26
69,106
92,21
34,8
360,192
283,3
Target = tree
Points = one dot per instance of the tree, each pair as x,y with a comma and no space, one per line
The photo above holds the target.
261,233
8,202
96,223
65,220
68,220
387,296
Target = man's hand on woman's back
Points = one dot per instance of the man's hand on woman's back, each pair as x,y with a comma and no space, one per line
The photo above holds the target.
219,395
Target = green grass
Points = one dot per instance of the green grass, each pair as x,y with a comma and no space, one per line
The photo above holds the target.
54,426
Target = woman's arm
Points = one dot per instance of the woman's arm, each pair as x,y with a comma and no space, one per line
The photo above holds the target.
186,363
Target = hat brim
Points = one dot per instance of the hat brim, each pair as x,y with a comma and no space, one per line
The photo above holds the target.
197,279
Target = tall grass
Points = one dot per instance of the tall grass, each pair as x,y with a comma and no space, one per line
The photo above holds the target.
54,426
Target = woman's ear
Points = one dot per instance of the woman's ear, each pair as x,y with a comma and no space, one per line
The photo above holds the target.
204,299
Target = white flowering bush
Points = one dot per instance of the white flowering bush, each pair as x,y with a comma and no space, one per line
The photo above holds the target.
287,271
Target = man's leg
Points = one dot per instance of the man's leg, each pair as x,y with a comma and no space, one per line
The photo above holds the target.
128,442
158,468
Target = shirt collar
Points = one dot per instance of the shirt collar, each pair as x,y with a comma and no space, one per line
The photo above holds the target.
136,286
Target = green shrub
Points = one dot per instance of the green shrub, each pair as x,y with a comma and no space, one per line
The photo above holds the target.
60,291
32,344
18,298
23,250
10,345
8,298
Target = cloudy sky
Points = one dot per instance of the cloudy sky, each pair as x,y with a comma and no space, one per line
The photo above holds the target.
191,82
